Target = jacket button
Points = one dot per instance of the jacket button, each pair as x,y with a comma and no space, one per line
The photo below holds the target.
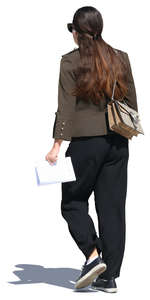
62,128
61,134
63,123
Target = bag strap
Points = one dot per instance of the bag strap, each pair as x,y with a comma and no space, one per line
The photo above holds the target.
112,97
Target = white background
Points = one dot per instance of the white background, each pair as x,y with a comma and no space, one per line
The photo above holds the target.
34,235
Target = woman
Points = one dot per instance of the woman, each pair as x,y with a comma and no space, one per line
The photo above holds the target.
99,155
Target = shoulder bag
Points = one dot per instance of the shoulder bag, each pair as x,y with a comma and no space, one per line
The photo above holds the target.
122,118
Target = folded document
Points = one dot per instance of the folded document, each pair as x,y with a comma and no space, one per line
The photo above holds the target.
60,171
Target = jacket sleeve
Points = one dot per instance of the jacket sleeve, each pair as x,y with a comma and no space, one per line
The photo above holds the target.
62,127
131,97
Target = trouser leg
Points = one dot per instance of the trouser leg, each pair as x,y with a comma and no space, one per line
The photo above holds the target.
110,198
75,194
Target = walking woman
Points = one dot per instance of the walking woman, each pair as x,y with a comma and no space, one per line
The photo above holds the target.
99,155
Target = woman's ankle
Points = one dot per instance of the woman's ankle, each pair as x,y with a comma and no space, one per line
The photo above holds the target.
93,254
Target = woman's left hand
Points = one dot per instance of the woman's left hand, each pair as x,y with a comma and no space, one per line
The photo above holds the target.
52,155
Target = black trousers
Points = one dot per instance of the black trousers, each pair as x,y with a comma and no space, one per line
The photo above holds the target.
100,165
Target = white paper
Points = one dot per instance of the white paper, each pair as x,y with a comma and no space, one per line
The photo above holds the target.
60,171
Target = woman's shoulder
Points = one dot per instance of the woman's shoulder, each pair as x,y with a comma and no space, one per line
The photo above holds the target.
119,51
71,53
72,57
70,60
123,55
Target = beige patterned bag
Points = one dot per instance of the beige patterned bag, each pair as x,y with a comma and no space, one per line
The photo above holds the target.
122,118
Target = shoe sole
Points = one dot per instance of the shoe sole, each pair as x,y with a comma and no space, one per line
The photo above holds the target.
90,276
109,290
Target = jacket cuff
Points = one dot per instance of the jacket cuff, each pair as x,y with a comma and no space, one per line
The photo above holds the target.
62,127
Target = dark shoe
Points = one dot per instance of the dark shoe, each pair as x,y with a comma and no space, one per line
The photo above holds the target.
90,272
106,285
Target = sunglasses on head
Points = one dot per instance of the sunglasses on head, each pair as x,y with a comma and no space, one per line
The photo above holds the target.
70,26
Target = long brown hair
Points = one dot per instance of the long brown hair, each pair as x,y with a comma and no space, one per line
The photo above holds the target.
99,63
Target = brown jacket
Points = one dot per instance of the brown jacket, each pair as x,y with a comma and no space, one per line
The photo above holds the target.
76,117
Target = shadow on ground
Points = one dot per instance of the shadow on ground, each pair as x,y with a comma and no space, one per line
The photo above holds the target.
62,277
